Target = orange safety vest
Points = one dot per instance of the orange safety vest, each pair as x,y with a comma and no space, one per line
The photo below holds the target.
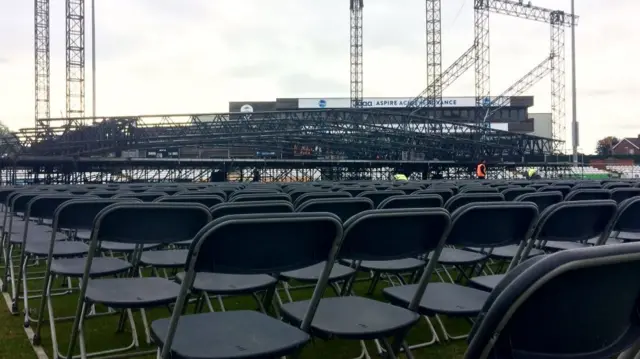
480,170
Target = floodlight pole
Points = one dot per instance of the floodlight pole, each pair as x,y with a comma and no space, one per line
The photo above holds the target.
93,58
575,138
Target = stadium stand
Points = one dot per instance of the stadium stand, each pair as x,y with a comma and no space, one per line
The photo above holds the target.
213,252
626,171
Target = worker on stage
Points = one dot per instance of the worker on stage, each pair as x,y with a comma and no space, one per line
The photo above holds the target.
481,170
532,174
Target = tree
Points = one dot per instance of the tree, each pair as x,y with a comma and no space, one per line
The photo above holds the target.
605,145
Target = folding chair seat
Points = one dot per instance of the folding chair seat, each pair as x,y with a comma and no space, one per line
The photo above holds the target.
502,223
566,222
626,227
136,223
414,201
372,236
562,293
239,244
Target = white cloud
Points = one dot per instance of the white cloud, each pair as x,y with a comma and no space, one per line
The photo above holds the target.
167,56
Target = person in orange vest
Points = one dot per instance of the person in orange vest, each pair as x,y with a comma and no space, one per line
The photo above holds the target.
481,170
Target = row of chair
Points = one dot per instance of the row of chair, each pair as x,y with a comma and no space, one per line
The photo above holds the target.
247,239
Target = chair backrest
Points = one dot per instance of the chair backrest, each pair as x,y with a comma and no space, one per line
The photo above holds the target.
493,224
627,217
612,185
319,195
512,193
140,223
355,190
584,194
414,201
478,189
445,192
143,196
344,208
378,196
254,197
298,192
541,199
576,221
253,191
44,206
619,194
205,192
209,200
553,188
388,234
409,188
80,213
229,208
103,193
462,199
565,292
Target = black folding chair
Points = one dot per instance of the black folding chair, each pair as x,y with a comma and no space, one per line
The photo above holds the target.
566,292
249,244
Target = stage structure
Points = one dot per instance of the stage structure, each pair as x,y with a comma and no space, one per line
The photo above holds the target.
478,56
373,138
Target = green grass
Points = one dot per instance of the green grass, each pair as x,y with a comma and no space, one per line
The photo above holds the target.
100,333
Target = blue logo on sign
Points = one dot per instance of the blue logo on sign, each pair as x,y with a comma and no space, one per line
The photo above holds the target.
486,101
322,103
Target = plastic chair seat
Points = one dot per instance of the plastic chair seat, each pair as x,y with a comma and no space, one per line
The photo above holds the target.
312,273
352,317
165,258
441,298
61,249
181,244
125,247
100,266
508,252
560,246
235,334
455,256
35,236
628,236
218,283
132,292
393,266
83,235
487,282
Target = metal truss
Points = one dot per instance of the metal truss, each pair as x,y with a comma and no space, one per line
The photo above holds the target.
558,21
558,78
333,133
482,58
449,76
75,58
356,40
434,51
519,87
42,57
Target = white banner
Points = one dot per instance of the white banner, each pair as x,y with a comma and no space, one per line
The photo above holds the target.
393,102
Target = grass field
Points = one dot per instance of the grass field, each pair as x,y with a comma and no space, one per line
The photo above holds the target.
100,333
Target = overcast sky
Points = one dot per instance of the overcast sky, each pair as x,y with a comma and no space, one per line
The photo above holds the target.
194,56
